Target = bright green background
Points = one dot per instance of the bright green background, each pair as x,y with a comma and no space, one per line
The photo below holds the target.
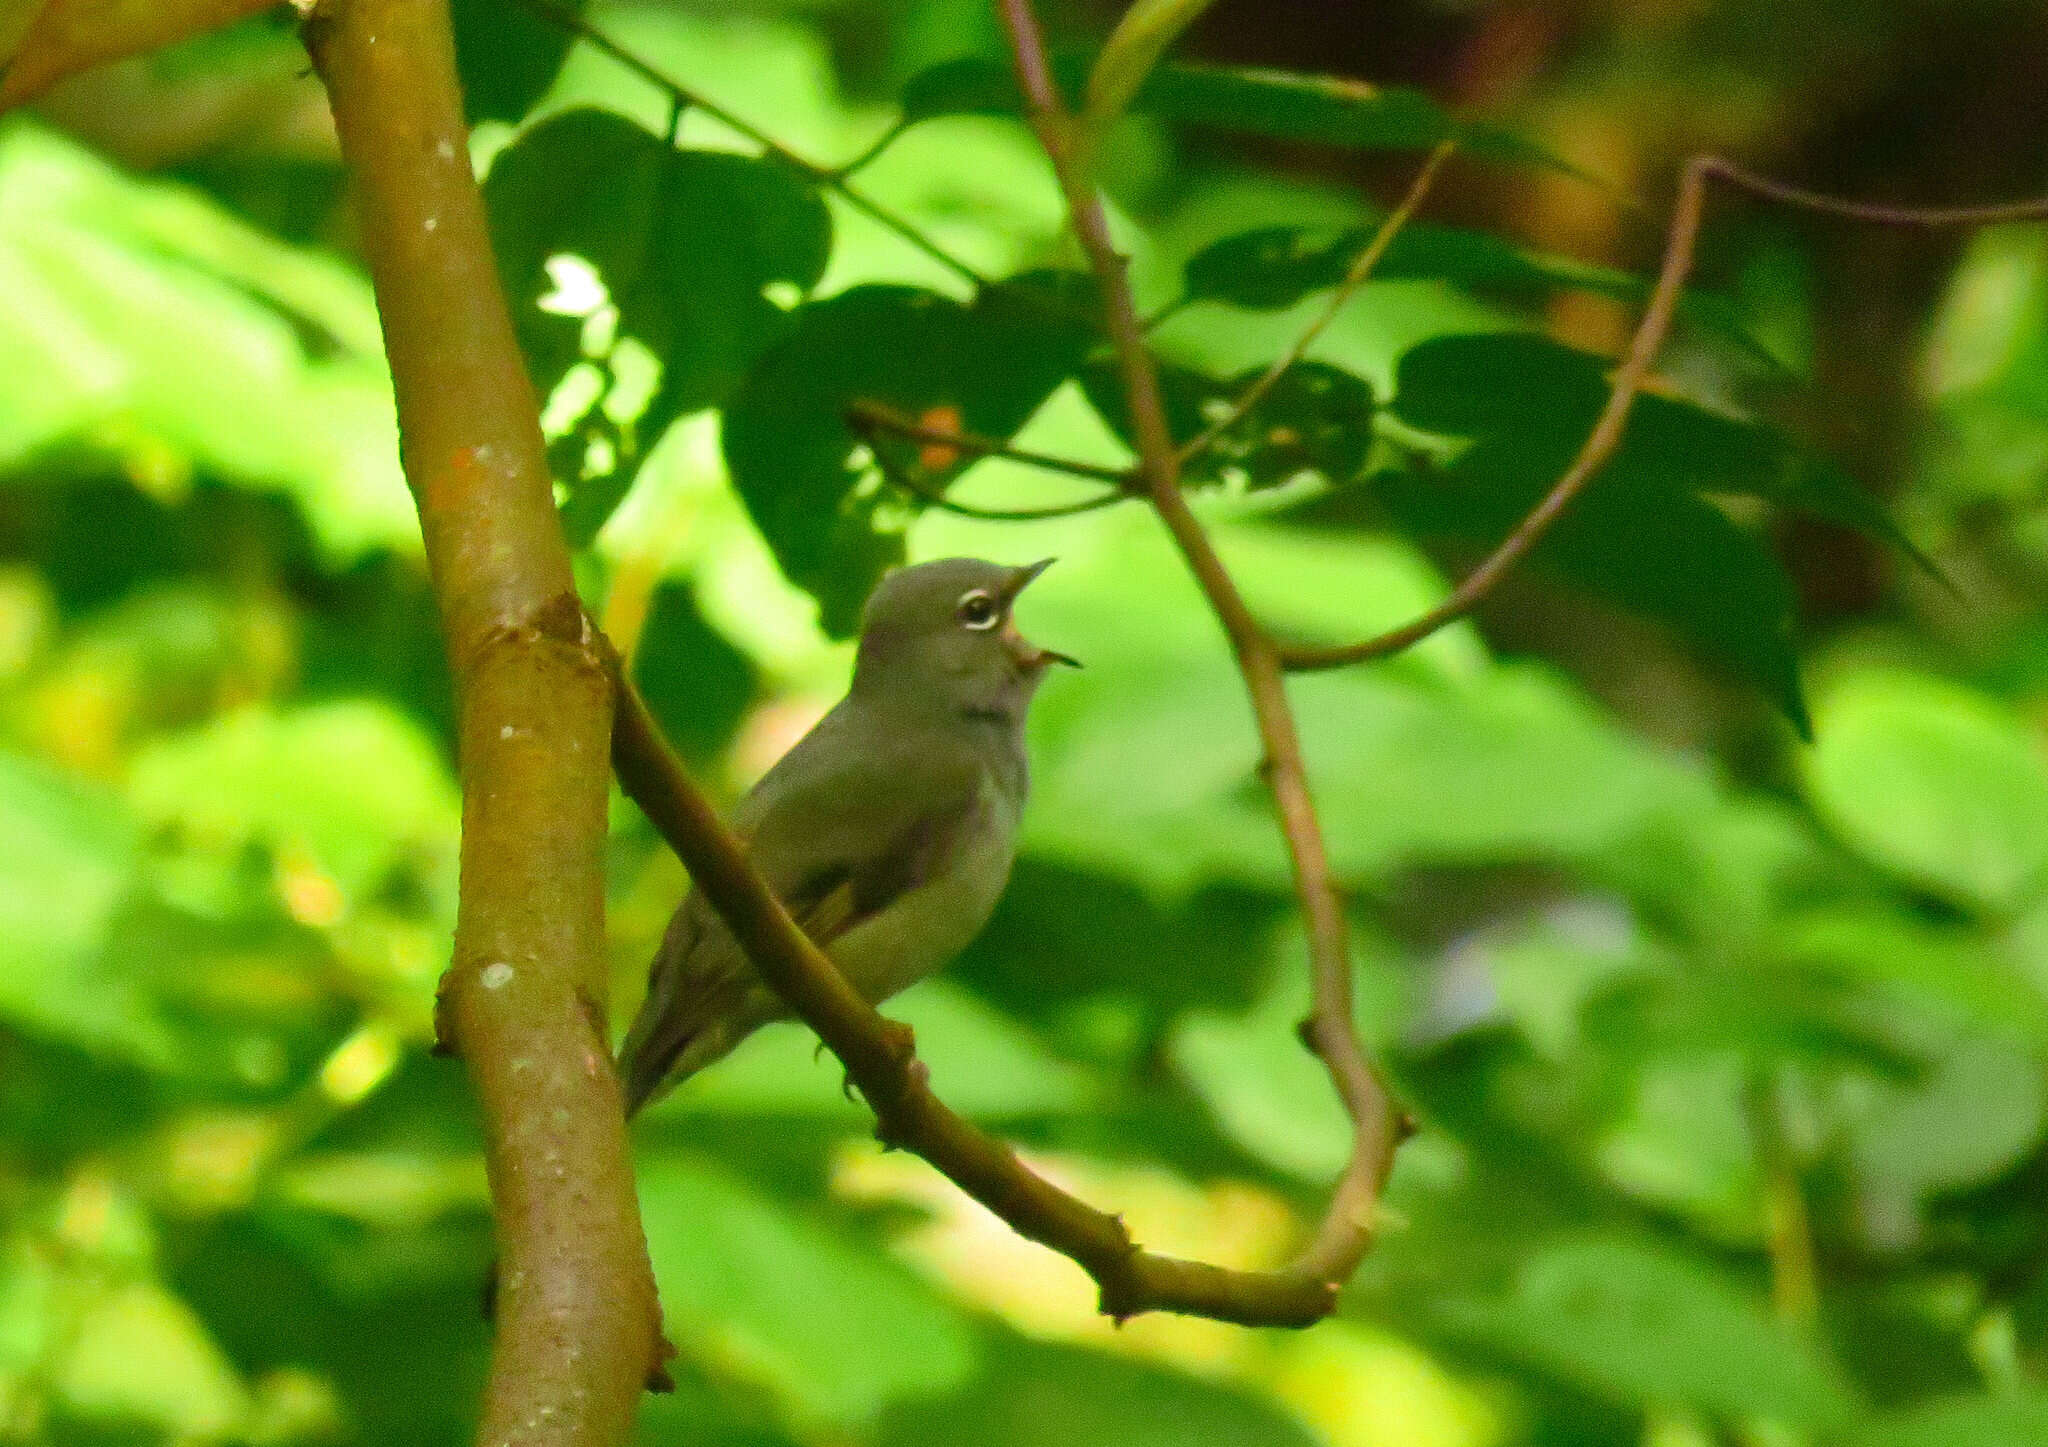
1690,1010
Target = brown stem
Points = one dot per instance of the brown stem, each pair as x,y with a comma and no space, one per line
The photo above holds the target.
1347,1226
1687,212
879,1059
1356,275
522,1001
868,418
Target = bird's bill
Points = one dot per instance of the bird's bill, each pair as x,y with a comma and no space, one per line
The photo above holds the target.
1028,655
1020,578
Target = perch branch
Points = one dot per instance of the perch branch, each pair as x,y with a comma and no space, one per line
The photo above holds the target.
523,999
1356,275
1346,1231
1687,212
880,1060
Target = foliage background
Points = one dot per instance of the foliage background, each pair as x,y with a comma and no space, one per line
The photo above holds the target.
1729,1048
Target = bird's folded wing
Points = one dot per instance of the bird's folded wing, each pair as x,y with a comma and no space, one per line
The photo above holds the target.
840,844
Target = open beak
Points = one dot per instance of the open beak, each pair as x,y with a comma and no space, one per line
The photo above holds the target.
1028,655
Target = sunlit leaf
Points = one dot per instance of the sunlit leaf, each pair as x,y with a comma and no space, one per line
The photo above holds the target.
1936,783
605,232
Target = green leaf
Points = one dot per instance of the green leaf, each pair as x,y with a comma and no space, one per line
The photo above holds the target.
67,861
687,246
1316,419
1936,783
1128,57
1972,1118
830,1325
1326,110
1647,1326
2017,1420
698,685
803,473
1273,267
507,55
1640,534
139,1354
1036,1393
352,789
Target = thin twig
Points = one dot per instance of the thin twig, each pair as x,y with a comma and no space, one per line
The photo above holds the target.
1686,215
1359,272
835,177
880,1059
866,417
1346,1231
522,1002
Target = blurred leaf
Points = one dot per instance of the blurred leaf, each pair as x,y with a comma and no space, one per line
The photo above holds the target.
67,861
1036,1393
1935,783
835,1329
507,55
2019,1420
1646,1325
239,326
42,41
1316,419
1978,1112
687,248
140,1354
1939,969
983,367
350,790
1326,110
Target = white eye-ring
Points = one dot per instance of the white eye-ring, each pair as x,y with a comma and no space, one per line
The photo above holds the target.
978,610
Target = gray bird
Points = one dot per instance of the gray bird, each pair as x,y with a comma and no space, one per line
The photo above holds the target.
887,832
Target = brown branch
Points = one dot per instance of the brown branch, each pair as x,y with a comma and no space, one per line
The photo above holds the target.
1347,1227
1356,275
522,1001
1687,212
880,1060
870,419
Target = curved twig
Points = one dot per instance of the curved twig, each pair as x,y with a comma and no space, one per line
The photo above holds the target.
1346,1231
870,419
1687,213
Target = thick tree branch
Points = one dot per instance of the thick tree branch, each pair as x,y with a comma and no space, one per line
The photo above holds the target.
880,1060
1377,1126
1687,212
522,1002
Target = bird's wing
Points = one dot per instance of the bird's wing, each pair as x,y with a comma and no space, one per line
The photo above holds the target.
841,835
839,832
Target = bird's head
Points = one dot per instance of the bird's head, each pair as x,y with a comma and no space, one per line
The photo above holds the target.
940,635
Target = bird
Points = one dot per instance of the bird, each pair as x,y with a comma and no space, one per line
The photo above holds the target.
888,831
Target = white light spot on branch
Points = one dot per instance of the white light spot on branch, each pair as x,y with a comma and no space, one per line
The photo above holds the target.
496,975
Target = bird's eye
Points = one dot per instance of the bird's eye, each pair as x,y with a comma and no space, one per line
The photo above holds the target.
978,610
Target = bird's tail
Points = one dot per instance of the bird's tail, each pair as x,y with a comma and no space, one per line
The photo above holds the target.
673,1037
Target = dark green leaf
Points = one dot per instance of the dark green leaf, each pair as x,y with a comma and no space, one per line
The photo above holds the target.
983,367
689,247
1316,419
507,55
697,683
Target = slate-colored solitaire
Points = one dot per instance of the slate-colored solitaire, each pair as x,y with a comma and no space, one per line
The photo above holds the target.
888,831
